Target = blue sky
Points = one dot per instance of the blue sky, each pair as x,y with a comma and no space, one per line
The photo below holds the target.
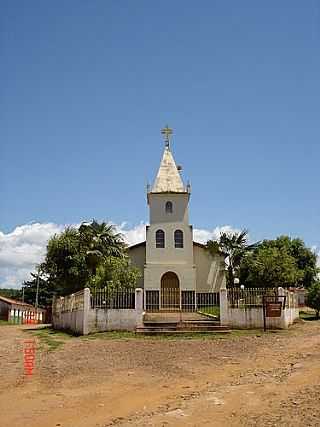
87,86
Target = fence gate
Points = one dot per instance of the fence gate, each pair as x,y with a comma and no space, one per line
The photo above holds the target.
170,299
170,292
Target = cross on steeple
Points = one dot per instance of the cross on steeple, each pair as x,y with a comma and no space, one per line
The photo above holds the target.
167,132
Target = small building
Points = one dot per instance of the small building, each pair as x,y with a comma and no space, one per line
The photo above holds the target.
15,311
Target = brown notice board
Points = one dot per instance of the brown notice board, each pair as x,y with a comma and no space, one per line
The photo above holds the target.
273,309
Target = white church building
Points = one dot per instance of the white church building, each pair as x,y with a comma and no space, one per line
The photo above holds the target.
172,265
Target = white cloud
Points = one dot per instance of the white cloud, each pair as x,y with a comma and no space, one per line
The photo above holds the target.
133,235
202,236
21,250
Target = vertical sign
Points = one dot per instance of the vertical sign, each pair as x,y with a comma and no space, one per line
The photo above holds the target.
29,356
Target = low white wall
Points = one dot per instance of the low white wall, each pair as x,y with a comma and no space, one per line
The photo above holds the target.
85,320
112,320
70,320
252,318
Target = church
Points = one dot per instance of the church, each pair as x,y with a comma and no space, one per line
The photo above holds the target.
170,261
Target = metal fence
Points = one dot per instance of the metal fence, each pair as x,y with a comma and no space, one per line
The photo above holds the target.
73,302
174,300
112,299
249,297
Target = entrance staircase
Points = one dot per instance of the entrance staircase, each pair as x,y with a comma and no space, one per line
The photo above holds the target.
172,323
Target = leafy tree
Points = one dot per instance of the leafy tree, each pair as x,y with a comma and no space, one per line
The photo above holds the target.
305,258
313,298
101,242
45,293
116,273
269,267
89,256
65,262
233,246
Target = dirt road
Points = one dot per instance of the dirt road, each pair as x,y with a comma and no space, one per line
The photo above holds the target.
239,380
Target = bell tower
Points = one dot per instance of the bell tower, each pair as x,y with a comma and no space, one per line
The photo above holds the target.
169,239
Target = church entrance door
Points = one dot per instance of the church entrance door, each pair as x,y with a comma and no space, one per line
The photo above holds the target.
170,291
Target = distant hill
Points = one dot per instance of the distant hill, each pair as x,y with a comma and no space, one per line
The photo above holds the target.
11,293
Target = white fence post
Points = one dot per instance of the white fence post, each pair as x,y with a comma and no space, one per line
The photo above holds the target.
224,308
86,308
139,306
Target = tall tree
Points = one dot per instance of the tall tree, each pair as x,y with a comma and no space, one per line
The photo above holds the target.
45,290
313,298
116,273
102,241
65,262
303,258
233,246
269,267
74,257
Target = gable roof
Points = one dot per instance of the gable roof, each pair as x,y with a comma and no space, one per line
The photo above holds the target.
136,245
13,301
168,179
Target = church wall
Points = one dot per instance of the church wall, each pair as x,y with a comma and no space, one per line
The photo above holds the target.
154,272
137,255
210,270
169,254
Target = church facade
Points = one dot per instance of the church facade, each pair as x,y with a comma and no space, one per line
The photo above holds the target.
169,260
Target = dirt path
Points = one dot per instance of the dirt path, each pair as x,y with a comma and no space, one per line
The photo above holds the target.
257,380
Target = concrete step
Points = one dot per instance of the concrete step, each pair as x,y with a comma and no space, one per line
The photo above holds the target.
158,328
203,327
160,322
163,331
175,316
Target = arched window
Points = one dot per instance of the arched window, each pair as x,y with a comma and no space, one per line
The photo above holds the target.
178,239
159,239
169,207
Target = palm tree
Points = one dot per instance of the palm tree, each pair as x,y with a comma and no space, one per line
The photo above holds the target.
102,242
233,246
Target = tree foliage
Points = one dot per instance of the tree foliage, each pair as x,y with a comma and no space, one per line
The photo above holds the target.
269,267
45,294
92,255
233,246
313,298
10,293
281,262
116,273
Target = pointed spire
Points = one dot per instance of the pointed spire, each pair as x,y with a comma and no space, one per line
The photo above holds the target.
168,178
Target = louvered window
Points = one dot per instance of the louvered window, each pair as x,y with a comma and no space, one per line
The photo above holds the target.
178,239
169,207
160,239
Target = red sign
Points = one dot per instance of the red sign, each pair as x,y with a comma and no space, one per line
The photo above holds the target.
29,356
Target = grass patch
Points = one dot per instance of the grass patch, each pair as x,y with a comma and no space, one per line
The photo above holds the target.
50,338
117,335
308,315
4,323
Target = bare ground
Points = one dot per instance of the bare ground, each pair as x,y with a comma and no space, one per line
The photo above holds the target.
258,379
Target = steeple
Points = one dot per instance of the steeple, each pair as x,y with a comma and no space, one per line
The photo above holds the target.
168,179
